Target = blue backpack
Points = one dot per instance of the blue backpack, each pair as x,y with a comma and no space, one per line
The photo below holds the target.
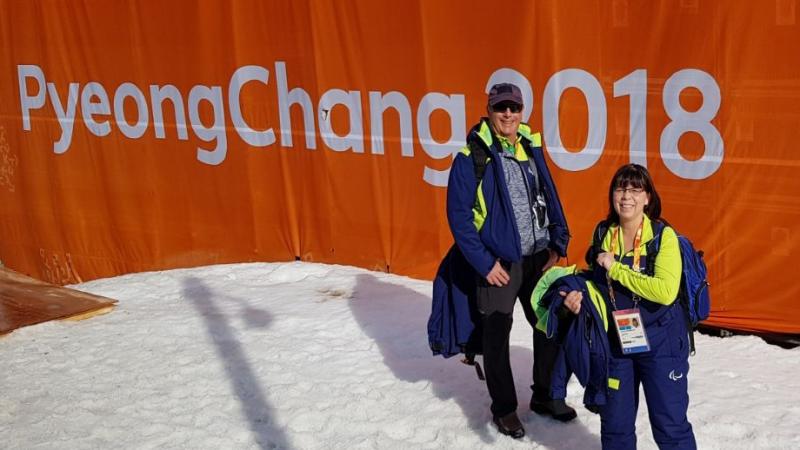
693,294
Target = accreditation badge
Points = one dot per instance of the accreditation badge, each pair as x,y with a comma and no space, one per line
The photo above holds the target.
630,329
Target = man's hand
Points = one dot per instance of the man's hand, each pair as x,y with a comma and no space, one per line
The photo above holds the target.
497,276
551,260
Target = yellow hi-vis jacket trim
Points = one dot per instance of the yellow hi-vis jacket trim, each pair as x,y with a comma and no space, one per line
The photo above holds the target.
479,208
663,286
479,211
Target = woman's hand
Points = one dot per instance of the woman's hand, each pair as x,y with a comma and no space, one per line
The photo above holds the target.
572,300
606,260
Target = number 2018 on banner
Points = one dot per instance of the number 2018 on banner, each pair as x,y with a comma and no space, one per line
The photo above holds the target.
633,86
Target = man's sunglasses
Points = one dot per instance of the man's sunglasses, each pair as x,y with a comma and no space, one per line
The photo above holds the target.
502,106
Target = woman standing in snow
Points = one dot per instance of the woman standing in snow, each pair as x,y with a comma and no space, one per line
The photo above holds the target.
654,354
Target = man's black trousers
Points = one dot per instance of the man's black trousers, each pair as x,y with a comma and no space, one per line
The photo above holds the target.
497,307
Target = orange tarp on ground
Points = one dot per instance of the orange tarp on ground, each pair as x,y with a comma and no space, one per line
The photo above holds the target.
147,135
25,301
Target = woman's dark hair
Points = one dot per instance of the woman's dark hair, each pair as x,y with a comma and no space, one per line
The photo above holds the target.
636,176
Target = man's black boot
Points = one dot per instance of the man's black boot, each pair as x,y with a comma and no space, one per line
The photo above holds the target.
509,425
557,408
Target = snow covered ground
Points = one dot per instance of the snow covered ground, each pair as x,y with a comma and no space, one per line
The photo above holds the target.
303,355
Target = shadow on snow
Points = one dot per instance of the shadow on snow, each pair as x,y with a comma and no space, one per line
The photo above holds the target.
242,377
395,317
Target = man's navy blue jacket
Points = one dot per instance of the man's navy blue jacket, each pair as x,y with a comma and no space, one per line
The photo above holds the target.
453,313
484,229
484,226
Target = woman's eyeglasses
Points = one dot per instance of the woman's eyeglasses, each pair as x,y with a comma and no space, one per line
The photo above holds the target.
502,106
630,190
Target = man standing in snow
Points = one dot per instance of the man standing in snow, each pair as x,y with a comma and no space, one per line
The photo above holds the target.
507,220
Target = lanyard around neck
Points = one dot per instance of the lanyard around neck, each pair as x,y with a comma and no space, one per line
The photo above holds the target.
637,255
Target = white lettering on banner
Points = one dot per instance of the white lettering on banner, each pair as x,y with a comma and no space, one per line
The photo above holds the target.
635,85
216,132
66,118
698,121
130,90
596,102
378,104
89,108
28,102
286,99
96,109
95,103
238,80
454,107
355,137
169,92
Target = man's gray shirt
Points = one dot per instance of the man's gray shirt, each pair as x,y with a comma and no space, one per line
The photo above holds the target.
533,237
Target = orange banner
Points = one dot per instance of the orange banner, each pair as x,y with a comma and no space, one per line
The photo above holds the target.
149,135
